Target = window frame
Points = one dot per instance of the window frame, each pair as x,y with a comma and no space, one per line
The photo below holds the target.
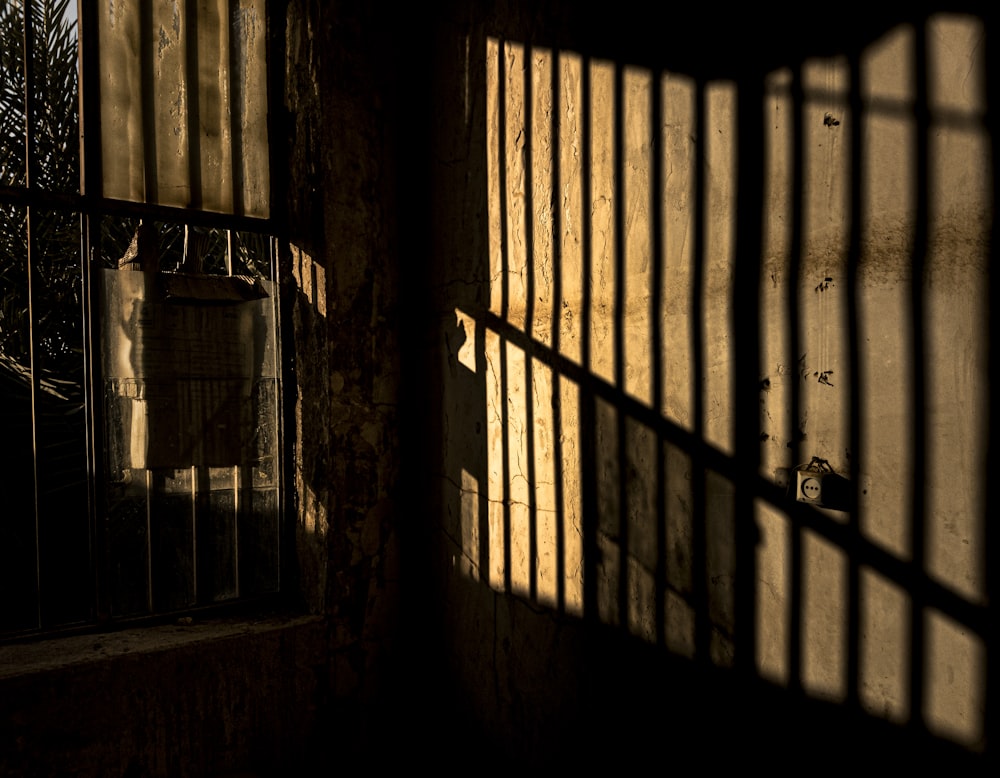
91,206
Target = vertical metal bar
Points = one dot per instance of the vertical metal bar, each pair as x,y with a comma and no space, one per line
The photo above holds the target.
29,94
91,187
191,67
149,539
237,507
194,532
237,62
33,283
282,407
88,41
230,250
148,98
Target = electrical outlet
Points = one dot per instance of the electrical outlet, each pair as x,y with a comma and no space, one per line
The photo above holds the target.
810,486
822,488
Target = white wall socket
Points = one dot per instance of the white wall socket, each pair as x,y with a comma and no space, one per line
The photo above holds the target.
810,486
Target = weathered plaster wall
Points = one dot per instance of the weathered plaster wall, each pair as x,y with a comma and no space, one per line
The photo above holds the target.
600,505
343,285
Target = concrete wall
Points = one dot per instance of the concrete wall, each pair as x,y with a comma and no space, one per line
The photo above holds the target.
678,280
198,699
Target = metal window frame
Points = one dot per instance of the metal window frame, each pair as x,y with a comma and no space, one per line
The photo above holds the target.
91,205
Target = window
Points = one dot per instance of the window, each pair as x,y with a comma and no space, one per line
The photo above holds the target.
139,359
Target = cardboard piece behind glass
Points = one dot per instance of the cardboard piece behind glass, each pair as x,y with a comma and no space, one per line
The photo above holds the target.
182,355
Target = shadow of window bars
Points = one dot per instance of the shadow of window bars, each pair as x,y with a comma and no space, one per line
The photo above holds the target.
711,510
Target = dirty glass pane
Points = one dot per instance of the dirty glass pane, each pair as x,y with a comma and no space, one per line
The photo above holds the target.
18,579
128,548
61,457
189,357
172,523
216,529
184,112
45,535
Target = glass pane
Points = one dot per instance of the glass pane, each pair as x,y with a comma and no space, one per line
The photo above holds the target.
56,131
173,540
12,94
45,541
128,548
216,526
18,578
191,386
55,125
184,112
61,458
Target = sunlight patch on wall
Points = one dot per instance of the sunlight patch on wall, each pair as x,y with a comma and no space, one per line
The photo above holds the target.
885,647
533,493
310,277
824,618
611,194
772,628
470,522
956,688
467,350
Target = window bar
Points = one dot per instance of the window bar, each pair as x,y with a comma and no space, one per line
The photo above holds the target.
194,532
148,98
281,409
29,143
239,484
149,539
91,187
193,100
239,469
230,251
237,61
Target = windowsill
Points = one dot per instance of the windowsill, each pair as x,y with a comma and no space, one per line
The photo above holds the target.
52,654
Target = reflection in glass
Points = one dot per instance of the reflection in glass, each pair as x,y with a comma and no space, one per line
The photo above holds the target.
191,393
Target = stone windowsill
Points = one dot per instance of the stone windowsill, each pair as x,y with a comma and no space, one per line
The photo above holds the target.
56,653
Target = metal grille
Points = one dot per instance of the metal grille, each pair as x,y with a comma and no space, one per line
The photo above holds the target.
102,519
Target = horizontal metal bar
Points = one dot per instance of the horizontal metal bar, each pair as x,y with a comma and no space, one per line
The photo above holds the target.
25,196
